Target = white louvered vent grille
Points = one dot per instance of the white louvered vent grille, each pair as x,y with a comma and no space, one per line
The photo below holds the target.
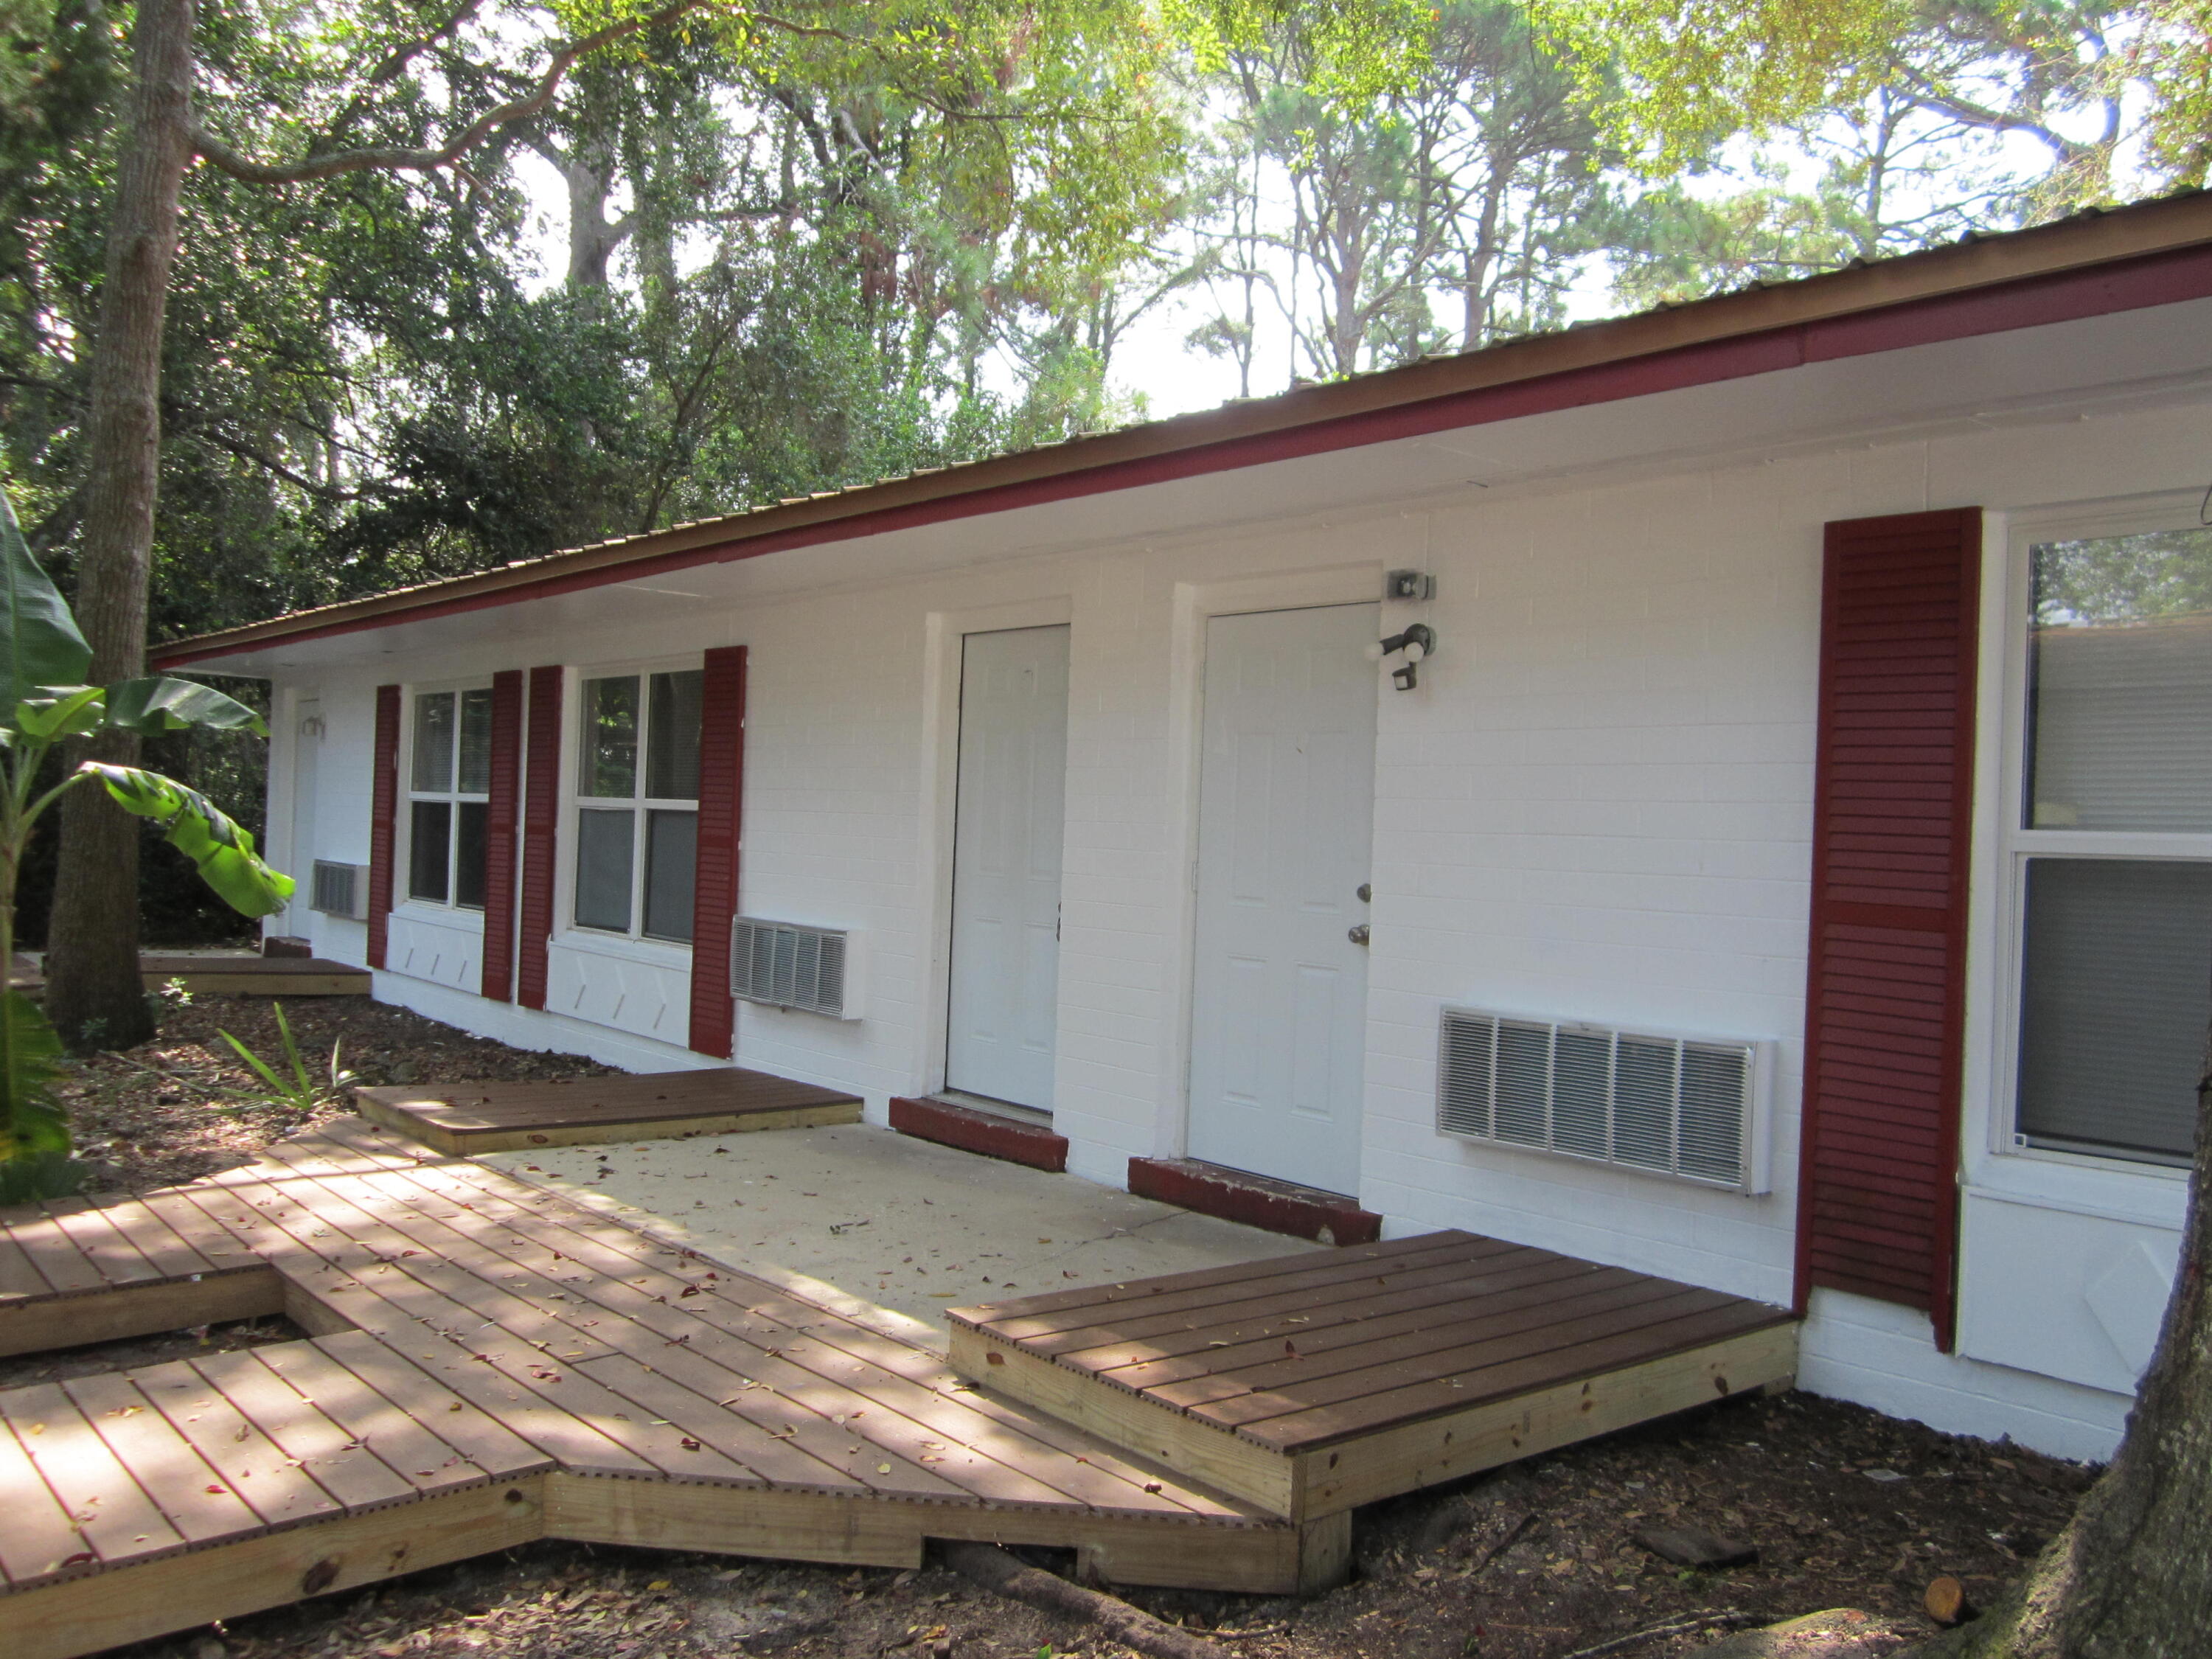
787,965
1689,1107
339,890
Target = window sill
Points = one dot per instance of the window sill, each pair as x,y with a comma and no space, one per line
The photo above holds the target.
659,953
2113,1189
438,916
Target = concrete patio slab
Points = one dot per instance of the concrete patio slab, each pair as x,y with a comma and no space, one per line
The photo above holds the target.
901,1223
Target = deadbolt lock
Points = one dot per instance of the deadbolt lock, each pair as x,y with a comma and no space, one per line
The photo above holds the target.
1366,892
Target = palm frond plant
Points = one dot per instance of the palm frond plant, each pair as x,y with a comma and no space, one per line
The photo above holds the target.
287,1082
44,660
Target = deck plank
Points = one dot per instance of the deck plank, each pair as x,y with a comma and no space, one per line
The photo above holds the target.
1490,1339
1288,1389
109,1510
1344,1310
1176,1356
91,1226
37,1538
1318,1424
53,1255
1345,1274
20,1278
322,1450
1353,1261
181,1483
168,1253
237,1448
411,1417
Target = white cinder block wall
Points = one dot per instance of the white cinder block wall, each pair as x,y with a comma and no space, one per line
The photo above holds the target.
1597,805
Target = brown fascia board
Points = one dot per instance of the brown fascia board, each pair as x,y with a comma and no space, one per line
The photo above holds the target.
2087,239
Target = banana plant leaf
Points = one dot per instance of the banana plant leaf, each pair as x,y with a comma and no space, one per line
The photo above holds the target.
39,644
221,851
60,711
31,1126
160,703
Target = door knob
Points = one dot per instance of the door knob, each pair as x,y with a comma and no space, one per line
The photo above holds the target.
1356,932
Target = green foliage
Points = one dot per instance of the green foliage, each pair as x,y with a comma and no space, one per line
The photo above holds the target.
2156,576
40,643
289,1084
221,852
38,636
31,1126
2085,78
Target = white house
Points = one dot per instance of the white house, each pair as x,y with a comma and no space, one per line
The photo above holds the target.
1822,673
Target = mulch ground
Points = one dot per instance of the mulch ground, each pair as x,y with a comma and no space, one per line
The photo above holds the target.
186,1105
1538,1561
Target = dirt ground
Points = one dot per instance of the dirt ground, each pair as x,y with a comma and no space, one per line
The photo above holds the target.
184,1105
1538,1561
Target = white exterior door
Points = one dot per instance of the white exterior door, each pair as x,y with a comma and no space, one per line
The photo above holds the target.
1286,820
1009,816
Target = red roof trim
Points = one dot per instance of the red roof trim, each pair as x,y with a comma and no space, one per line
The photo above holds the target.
2158,279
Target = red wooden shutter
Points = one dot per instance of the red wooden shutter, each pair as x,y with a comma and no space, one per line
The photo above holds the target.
715,899
541,818
498,981
1894,783
383,826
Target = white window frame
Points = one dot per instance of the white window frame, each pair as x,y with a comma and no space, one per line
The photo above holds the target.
573,801
448,911
2016,843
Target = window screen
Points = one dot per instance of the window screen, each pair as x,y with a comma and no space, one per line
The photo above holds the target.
2120,684
2116,1000
672,863
671,766
603,869
434,741
430,850
610,739
476,743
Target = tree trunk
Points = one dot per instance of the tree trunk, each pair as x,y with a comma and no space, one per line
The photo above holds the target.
593,237
93,989
2131,1577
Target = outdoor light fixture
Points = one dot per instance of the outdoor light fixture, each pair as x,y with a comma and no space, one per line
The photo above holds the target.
1419,643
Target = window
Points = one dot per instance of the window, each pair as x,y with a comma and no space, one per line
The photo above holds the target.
637,804
449,788
2112,844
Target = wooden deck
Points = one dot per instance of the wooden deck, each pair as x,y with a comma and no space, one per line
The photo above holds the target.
495,1117
235,976
1309,1385
492,1363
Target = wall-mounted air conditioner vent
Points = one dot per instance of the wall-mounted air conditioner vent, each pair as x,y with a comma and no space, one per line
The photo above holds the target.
339,890
1693,1108
789,965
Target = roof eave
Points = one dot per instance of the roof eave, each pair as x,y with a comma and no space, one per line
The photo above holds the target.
2084,242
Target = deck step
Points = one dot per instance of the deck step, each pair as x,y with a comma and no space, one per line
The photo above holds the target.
971,1131
233,975
467,1119
1307,1385
1272,1206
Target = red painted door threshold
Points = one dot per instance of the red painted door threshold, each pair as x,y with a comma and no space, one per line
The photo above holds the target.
1275,1206
972,1131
